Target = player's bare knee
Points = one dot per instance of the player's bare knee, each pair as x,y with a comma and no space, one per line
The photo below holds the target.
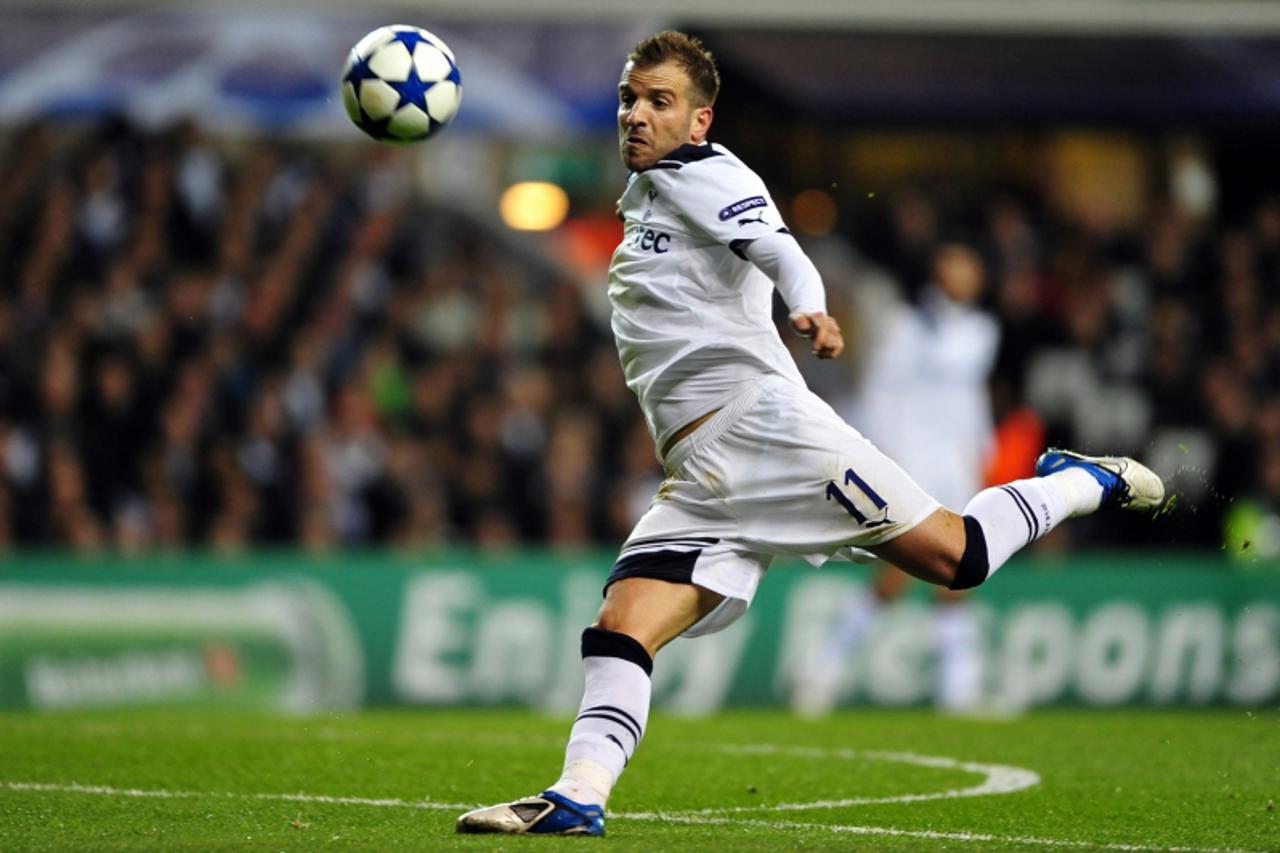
616,621
933,560
609,620
956,564
947,568
937,567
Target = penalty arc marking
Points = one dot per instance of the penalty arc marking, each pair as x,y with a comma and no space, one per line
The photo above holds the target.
998,778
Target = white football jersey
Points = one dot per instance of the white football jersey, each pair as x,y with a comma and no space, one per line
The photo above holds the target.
930,359
693,318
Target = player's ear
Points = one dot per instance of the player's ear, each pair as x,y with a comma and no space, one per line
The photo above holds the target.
701,124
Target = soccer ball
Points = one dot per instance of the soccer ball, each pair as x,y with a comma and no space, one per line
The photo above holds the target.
401,84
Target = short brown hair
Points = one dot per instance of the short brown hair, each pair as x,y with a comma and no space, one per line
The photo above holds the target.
687,52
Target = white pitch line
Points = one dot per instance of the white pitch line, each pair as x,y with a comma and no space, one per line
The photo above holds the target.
109,791
999,778
393,802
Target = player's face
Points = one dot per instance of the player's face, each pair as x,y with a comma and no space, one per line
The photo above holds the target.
959,272
656,114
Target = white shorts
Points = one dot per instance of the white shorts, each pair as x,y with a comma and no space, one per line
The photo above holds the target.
774,473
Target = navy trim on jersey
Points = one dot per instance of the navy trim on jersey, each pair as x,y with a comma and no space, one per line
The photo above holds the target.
739,247
687,153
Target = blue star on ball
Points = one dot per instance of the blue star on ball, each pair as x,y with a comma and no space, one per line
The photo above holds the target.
410,39
412,91
359,72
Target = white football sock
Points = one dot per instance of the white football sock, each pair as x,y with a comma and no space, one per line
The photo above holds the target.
1016,514
611,719
1084,493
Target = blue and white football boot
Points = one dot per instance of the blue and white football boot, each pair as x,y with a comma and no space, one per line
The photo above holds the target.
549,813
1125,482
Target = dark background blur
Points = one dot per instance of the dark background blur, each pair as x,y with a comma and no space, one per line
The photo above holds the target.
227,320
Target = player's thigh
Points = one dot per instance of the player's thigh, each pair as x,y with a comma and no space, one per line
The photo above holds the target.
931,550
697,578
802,482
654,611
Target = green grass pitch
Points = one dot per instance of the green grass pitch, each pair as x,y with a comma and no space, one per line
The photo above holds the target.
384,780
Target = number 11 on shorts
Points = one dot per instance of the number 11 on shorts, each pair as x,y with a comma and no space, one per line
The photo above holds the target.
850,476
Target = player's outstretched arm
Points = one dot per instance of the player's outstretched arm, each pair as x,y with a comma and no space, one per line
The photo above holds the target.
780,257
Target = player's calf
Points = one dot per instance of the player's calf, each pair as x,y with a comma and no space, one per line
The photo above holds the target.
960,552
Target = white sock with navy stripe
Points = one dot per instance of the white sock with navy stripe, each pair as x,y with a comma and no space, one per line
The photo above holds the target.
611,719
1016,514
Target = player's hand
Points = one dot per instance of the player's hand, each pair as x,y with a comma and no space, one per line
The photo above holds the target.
822,330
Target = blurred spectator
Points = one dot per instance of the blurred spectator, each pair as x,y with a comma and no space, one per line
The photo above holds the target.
199,349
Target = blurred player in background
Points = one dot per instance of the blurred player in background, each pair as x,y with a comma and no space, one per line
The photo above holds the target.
757,466
923,401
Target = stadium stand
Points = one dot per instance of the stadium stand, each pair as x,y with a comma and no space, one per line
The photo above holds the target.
201,346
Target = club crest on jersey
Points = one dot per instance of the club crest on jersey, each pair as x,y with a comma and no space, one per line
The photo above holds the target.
740,207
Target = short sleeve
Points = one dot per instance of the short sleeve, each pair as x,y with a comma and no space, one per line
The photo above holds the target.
719,197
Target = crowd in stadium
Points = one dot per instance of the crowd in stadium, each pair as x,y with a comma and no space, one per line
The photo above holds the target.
217,349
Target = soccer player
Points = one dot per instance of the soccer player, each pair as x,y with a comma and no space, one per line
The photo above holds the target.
935,354
757,465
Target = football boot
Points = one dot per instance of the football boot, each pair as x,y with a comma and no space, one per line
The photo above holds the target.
1125,482
549,813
